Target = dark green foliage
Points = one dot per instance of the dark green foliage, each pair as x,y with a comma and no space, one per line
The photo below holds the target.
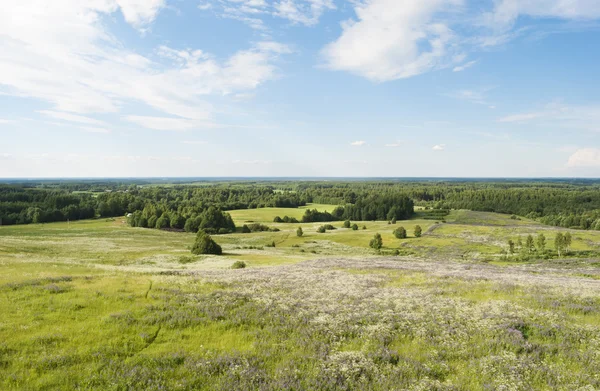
541,243
256,227
347,224
511,246
354,227
393,220
418,231
329,227
400,233
364,227
205,245
272,244
277,219
321,229
377,242
529,246
286,219
246,229
299,232
163,222
239,265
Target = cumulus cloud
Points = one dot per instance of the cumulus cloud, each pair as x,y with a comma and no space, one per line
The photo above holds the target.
390,39
393,40
439,147
585,157
62,53
358,143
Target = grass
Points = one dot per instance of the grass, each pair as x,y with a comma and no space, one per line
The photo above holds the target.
97,305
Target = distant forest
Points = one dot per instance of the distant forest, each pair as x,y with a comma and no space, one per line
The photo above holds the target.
571,204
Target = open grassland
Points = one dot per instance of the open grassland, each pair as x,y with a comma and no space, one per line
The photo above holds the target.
97,305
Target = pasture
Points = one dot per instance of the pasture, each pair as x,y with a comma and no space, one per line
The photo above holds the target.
98,305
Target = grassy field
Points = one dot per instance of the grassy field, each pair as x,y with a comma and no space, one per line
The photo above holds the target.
98,305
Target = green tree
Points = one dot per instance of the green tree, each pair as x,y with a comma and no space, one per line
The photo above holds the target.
377,242
394,220
354,227
299,232
321,229
559,243
163,222
511,246
245,229
347,224
568,240
400,233
541,243
418,231
364,227
204,244
529,244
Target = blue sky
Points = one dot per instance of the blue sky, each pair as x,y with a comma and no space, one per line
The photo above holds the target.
460,88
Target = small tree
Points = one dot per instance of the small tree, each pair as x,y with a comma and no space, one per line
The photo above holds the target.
559,243
364,227
321,229
347,224
377,242
277,220
529,244
418,231
246,229
541,243
299,232
519,243
206,245
511,246
355,227
400,233
394,220
568,240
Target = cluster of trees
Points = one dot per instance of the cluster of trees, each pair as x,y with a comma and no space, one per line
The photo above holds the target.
531,245
285,219
372,207
212,220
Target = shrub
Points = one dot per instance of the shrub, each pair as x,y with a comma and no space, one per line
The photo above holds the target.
347,224
329,227
277,220
321,229
400,233
206,245
186,259
272,244
239,265
245,229
418,231
299,232
364,227
377,242
394,220
355,227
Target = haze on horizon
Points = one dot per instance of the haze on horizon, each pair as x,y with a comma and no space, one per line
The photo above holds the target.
309,88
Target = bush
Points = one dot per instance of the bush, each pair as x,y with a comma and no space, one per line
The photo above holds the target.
239,265
329,227
321,229
277,220
364,227
299,232
272,244
354,227
206,245
347,224
418,231
377,242
394,220
400,233
245,229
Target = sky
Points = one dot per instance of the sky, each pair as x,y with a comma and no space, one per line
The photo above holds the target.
347,88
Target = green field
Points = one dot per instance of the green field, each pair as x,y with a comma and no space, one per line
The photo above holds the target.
98,305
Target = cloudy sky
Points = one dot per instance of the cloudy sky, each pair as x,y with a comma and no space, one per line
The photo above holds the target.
457,88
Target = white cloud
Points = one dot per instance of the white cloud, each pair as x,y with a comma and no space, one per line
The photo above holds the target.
462,67
71,117
389,39
439,147
194,142
61,52
358,143
393,145
204,6
506,12
585,157
6,121
573,117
